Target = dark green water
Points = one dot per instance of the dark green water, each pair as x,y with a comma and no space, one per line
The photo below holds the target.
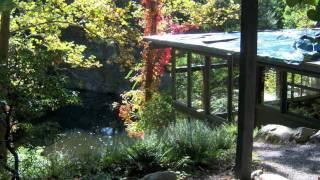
88,126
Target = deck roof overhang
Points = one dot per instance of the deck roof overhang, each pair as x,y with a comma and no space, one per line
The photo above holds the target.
247,98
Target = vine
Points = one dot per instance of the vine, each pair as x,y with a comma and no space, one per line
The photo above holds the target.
149,74
153,66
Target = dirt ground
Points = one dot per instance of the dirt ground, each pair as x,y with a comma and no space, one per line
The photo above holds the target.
295,162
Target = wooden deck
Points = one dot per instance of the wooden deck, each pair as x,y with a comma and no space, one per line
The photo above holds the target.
225,46
284,58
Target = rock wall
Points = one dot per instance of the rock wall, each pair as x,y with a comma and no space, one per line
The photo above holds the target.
107,79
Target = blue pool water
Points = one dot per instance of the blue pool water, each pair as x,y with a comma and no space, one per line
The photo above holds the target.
278,45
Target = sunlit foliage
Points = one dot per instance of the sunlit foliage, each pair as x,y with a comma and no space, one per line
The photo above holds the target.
39,54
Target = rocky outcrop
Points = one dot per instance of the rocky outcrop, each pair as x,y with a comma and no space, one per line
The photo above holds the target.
303,134
160,176
276,134
107,79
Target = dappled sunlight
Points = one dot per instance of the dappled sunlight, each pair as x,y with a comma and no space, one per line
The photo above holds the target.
159,89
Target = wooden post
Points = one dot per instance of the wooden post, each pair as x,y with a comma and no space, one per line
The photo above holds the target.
206,85
292,85
247,89
189,79
260,90
4,48
278,83
301,83
283,91
260,84
230,90
173,80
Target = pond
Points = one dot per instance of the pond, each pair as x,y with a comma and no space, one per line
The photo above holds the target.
95,111
80,142
84,127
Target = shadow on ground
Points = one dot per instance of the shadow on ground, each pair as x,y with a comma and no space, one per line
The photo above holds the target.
292,161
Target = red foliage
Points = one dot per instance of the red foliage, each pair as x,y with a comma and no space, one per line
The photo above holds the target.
155,60
152,16
164,59
183,28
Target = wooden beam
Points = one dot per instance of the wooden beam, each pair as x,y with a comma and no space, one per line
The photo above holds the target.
182,69
247,88
303,87
303,98
271,115
214,119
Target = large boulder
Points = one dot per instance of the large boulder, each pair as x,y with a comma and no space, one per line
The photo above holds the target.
303,134
110,78
315,138
161,176
275,134
107,79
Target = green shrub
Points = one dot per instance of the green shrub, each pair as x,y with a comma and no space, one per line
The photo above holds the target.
295,17
157,112
217,15
32,164
115,152
57,165
271,14
43,133
133,157
195,143
88,164
144,158
182,146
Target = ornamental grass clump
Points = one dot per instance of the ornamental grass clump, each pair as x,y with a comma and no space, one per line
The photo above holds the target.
195,143
183,146
131,157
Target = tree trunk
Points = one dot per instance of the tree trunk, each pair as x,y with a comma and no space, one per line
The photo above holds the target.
4,48
151,29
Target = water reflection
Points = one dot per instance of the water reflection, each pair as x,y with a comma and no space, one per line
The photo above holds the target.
79,142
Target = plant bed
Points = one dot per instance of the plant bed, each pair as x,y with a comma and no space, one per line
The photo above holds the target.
188,148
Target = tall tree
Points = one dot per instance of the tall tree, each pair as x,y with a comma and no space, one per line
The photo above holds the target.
6,7
4,48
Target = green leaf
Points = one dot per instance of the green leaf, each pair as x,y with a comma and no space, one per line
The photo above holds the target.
311,2
6,5
129,74
292,3
314,15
